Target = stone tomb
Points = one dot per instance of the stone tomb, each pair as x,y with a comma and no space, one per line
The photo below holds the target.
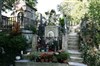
51,31
52,37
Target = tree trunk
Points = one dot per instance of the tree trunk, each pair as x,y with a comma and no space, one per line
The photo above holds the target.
1,4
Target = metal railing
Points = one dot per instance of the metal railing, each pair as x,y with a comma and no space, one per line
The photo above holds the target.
7,22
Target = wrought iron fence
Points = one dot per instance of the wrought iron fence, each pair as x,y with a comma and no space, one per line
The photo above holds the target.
7,22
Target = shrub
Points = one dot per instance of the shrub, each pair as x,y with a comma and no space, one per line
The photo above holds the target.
62,56
12,44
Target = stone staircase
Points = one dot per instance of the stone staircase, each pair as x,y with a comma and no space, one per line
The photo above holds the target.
75,55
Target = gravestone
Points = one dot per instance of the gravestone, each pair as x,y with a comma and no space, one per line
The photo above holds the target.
52,37
51,31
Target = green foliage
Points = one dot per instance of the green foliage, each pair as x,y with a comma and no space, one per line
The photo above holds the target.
63,56
91,53
98,38
32,28
15,43
3,39
55,57
51,24
8,4
94,18
93,57
94,10
12,46
32,57
61,20
74,9
61,23
94,14
90,49
31,3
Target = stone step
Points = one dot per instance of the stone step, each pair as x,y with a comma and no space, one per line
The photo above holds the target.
76,59
73,48
74,53
73,43
73,39
76,64
70,41
72,34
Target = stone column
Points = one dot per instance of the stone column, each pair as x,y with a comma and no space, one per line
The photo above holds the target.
65,37
1,4
34,42
64,42
65,23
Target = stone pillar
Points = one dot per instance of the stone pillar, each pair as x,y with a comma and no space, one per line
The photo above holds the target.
34,42
65,37
64,42
1,4
65,23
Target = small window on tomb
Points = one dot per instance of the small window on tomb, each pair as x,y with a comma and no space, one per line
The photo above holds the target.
20,17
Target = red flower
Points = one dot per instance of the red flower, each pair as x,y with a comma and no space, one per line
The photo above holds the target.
43,55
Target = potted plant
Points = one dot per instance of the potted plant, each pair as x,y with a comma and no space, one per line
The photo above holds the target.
62,57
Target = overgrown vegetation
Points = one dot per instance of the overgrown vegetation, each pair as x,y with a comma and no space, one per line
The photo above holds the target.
31,28
11,45
61,23
90,35
55,57
74,9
